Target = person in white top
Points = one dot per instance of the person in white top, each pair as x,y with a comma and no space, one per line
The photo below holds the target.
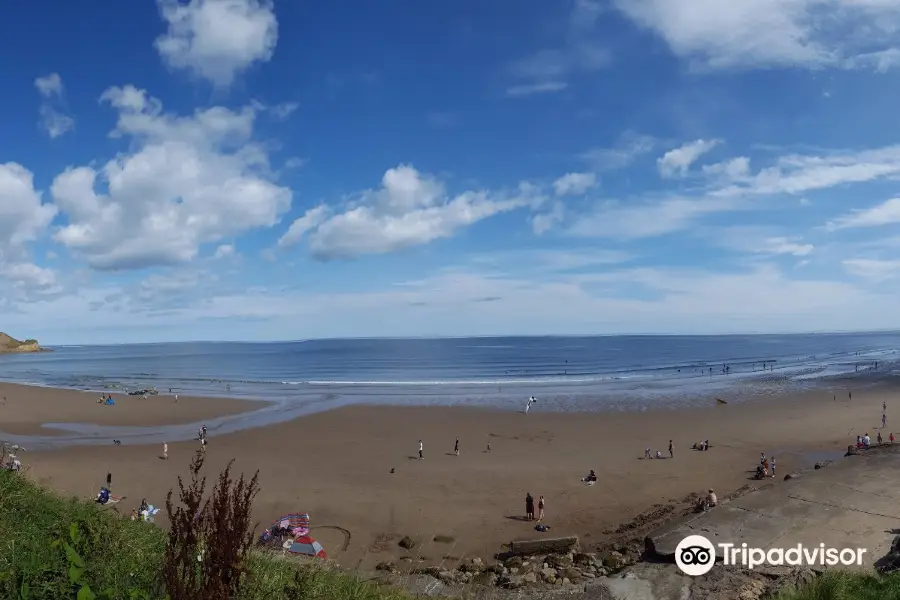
165,450
531,401
421,450
711,499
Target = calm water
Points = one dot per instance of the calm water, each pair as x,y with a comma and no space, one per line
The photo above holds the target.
565,373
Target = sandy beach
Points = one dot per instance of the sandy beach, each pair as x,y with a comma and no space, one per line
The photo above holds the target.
24,409
337,465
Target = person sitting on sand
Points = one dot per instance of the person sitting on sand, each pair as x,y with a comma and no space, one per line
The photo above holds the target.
134,514
761,472
590,478
711,498
103,496
659,454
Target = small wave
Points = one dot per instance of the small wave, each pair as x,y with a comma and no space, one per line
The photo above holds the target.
440,382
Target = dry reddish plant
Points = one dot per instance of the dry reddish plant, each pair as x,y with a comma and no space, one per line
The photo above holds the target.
209,537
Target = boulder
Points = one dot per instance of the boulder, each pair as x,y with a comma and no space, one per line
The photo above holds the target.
387,567
407,543
486,578
613,560
530,578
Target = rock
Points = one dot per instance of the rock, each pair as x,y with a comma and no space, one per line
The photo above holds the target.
791,476
406,543
613,560
565,581
497,569
471,568
514,562
572,574
485,578
388,567
477,562
511,582
530,578
584,559
822,464
559,561
548,575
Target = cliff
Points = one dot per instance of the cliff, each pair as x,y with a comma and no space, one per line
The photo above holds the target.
10,344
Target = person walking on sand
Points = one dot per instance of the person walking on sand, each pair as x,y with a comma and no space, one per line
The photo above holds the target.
176,398
165,451
528,404
529,507
456,447
772,466
108,480
671,449
883,420
488,446
880,439
540,509
421,450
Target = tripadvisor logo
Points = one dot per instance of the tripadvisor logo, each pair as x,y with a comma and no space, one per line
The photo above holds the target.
695,555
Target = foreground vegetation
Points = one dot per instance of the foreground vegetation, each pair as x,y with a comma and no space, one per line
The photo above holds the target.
52,548
839,585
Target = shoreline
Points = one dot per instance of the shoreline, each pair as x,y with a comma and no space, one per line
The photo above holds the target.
355,468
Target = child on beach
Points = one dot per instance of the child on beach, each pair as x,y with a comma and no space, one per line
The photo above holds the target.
772,466
421,450
165,451
540,509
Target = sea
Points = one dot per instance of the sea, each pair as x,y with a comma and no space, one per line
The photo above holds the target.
577,373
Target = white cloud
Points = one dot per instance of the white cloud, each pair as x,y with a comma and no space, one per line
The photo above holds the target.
53,120
224,251
784,245
311,219
409,209
549,69
187,181
217,39
543,223
628,148
729,170
23,219
574,184
284,110
677,162
872,269
529,89
49,86
886,213
774,33
643,220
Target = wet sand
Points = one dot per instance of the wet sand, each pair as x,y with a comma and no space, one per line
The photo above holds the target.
24,409
337,466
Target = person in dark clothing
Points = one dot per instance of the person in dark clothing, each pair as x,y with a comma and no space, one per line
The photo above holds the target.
529,507
109,480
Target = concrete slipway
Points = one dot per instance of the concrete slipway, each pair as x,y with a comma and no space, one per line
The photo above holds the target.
852,503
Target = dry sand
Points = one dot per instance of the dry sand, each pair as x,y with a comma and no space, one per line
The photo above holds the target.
336,466
24,409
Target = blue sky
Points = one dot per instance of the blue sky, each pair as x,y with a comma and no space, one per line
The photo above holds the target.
232,169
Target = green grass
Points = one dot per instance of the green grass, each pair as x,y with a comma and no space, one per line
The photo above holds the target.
124,557
839,585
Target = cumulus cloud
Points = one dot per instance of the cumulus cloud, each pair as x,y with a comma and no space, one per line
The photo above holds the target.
574,184
53,120
217,39
23,219
774,33
873,269
187,181
677,162
409,209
